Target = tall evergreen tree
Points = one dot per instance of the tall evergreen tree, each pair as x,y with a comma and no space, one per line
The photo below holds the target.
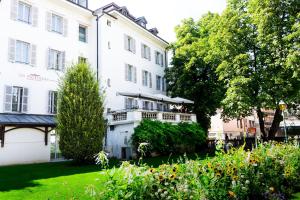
80,114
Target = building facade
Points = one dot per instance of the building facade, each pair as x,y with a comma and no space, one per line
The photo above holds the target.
44,37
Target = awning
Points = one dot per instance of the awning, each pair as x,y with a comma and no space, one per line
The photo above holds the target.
183,101
156,97
27,120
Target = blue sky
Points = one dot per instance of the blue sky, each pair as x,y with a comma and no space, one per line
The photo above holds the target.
166,14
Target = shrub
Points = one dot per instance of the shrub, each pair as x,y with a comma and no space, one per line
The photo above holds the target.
272,171
80,114
166,137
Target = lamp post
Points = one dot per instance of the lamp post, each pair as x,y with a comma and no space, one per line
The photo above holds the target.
282,107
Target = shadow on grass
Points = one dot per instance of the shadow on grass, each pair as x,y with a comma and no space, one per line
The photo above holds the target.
21,176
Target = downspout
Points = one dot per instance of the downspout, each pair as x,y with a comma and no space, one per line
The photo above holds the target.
97,41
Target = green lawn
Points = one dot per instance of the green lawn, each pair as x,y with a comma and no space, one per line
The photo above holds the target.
296,196
62,180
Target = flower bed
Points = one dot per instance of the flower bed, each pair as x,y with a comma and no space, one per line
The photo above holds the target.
272,171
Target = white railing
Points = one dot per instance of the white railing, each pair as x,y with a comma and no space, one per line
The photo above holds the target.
138,115
119,116
149,115
184,117
169,116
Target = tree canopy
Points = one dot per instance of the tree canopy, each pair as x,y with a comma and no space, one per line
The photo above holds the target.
80,114
251,50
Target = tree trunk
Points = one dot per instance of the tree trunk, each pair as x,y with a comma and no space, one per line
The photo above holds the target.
261,123
275,124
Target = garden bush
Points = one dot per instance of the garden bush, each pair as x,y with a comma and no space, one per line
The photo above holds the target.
165,138
271,171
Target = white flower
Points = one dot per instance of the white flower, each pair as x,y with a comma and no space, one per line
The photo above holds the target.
247,182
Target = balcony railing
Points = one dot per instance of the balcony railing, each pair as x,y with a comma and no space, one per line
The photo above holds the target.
139,115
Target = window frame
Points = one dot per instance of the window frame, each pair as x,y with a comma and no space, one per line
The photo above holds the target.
80,34
52,102
23,18
55,60
20,55
55,26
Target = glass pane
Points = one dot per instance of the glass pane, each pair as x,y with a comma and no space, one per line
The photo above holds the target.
82,34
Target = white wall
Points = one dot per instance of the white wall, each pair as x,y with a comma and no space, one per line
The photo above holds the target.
112,61
24,146
38,79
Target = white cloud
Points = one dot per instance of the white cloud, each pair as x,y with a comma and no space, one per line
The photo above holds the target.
166,14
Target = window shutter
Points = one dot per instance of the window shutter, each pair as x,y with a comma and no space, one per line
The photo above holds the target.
142,51
49,59
11,50
8,98
166,59
126,42
33,55
34,16
49,102
48,21
161,60
136,104
65,27
126,72
150,80
133,45
125,102
63,61
25,100
149,53
86,34
143,77
134,71
13,9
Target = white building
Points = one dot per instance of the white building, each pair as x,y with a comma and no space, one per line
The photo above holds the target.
43,37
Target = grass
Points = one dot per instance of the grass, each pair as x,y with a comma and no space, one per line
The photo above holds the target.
296,196
62,180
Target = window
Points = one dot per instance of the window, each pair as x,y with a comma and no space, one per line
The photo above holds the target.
150,80
130,73
129,43
131,103
52,102
158,82
22,52
158,58
108,23
56,60
57,24
16,99
108,45
145,78
82,33
146,52
146,105
24,12
159,107
82,59
82,3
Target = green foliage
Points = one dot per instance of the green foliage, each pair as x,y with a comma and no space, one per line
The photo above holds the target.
258,42
271,171
80,114
165,138
192,74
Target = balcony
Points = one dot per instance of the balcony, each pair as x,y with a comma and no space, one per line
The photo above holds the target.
131,116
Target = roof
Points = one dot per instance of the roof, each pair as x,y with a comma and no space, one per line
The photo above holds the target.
124,11
156,97
27,119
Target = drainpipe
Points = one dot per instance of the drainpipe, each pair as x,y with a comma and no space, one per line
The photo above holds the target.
97,41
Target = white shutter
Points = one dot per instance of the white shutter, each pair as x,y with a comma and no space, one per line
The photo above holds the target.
133,45
149,53
63,61
126,42
142,51
13,9
49,59
25,100
34,16
65,27
49,102
126,72
48,21
125,103
150,80
143,77
8,98
11,50
33,55
134,74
